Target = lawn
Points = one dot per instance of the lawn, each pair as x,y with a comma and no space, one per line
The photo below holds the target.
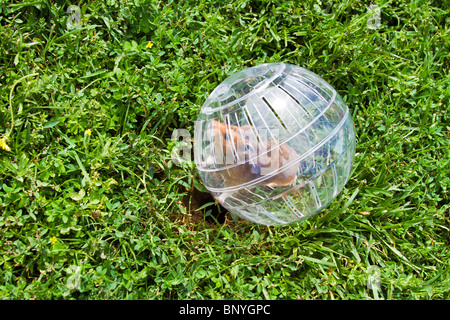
93,207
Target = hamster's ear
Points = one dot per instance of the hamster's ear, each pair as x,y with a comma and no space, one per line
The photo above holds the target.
217,127
214,125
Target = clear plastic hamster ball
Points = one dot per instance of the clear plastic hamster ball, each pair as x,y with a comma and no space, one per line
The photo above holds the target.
274,144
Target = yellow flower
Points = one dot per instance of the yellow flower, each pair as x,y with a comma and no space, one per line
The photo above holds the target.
88,132
4,146
149,44
53,240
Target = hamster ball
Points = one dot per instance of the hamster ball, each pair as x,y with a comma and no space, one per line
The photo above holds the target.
274,144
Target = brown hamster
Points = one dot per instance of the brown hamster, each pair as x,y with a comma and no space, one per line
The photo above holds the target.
255,157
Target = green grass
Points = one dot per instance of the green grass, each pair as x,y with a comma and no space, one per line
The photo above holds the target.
92,207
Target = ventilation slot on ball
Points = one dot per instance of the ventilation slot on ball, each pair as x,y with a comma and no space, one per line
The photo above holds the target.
306,95
296,101
275,114
250,123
